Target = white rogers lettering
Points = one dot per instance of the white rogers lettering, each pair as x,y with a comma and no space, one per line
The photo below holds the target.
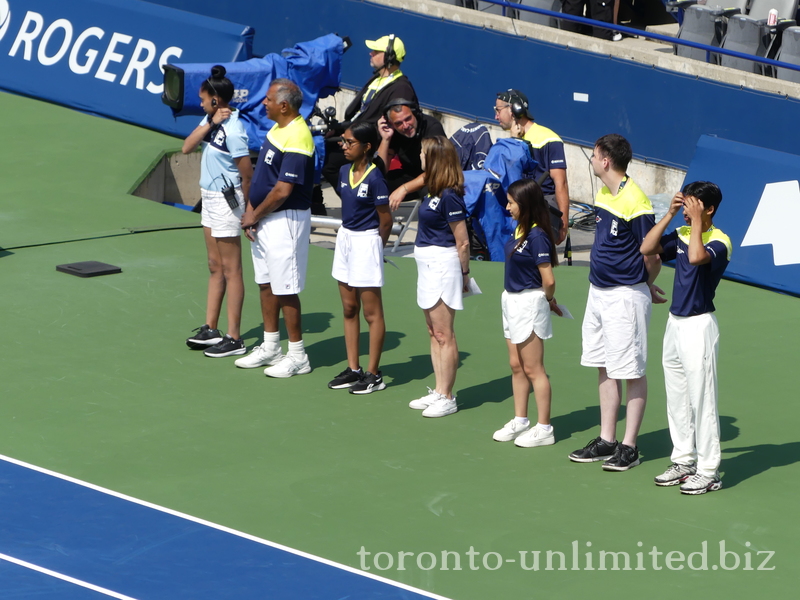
51,44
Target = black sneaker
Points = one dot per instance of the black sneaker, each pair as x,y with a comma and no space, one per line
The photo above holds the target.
205,338
597,449
369,383
227,347
345,379
624,458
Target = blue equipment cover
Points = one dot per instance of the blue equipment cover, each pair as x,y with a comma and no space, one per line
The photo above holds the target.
507,161
315,66
486,204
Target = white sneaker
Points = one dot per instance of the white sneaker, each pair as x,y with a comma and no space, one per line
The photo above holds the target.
425,401
510,431
442,407
288,366
260,356
536,436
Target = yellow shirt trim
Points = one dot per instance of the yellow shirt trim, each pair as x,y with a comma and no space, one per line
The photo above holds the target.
294,137
712,235
628,204
539,136
353,184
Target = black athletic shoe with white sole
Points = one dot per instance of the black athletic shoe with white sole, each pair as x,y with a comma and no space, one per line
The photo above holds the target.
597,449
204,338
345,379
369,383
227,347
624,458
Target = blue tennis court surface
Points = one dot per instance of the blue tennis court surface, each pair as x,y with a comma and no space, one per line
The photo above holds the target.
65,539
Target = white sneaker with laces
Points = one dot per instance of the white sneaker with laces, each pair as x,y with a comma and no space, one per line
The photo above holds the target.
536,436
511,431
442,407
425,401
260,356
288,366
700,484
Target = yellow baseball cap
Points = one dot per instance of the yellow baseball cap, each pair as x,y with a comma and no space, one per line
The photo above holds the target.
382,45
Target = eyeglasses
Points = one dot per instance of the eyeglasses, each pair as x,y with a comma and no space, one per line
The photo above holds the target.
497,109
345,143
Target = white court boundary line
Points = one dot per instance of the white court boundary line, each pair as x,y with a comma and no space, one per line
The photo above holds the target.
181,515
63,577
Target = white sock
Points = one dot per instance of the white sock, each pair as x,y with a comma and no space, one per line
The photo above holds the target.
272,338
547,427
297,349
522,420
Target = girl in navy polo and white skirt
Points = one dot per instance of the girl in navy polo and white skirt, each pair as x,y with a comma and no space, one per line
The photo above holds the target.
527,301
442,255
358,259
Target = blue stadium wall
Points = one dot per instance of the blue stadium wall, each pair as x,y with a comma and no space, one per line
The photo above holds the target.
458,69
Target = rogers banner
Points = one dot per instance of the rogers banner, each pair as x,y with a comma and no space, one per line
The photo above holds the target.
105,56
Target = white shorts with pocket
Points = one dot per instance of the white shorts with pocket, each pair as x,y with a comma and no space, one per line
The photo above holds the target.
218,216
439,277
615,330
280,252
358,258
525,313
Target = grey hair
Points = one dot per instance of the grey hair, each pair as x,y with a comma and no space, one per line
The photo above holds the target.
287,91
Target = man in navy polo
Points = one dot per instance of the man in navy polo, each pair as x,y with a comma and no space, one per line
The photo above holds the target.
701,253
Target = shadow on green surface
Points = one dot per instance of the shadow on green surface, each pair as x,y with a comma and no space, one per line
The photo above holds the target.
416,368
312,323
756,460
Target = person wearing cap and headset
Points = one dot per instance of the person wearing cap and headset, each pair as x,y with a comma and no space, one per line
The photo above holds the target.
402,129
511,111
386,84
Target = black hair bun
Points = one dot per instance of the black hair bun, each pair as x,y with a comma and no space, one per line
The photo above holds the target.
218,72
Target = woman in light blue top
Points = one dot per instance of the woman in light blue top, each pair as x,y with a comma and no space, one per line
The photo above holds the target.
225,176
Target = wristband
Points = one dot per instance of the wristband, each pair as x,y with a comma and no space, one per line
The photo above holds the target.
549,300
465,272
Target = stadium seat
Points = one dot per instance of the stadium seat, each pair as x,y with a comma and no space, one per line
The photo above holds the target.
530,17
704,24
750,34
789,53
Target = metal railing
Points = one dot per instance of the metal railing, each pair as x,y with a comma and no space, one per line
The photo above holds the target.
644,34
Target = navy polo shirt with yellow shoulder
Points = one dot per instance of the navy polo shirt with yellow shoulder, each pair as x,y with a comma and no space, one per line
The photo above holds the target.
622,224
695,285
435,216
360,197
548,152
522,264
287,155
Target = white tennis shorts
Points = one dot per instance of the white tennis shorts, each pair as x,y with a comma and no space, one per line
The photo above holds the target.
358,258
525,313
280,252
615,330
218,216
438,276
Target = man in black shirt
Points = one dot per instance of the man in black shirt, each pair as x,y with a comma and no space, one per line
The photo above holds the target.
387,84
402,129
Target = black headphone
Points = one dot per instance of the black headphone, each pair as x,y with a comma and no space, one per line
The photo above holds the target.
516,104
389,55
402,102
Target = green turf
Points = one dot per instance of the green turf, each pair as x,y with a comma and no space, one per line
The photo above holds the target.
99,385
